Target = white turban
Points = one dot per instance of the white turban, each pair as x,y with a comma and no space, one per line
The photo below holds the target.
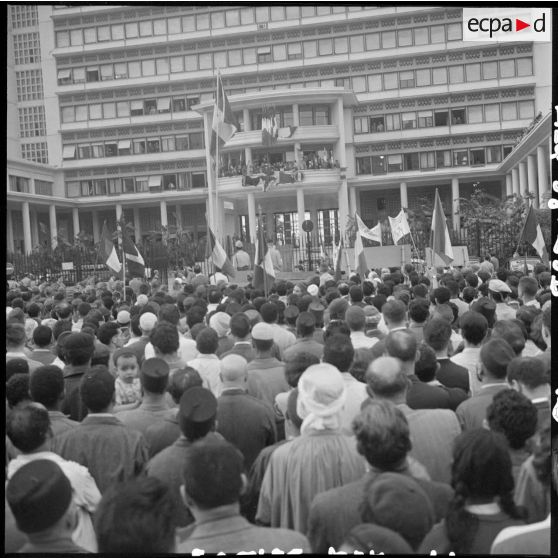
321,397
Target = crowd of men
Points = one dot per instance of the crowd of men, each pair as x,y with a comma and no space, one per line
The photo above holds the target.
400,412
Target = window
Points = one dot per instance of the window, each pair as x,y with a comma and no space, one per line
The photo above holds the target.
308,11
361,125
357,43
30,85
395,163
163,105
507,149
472,71
162,66
205,61
359,84
37,152
264,55
293,12
101,187
411,161
87,188
377,124
492,112
97,150
95,112
81,113
192,101
137,109
73,189
103,33
375,82
324,10
443,159
390,81
509,111
279,52
437,34
196,140
405,37
148,67
84,152
455,31
507,68
19,184
123,109
191,62
458,116
177,64
393,122
111,149
218,20
64,77
262,14
421,36
309,49
174,25
69,152
178,104
124,147
89,35
232,18
247,16
490,70
423,77
406,79
27,48
24,16
428,160
439,76
409,120
441,118
142,184
372,41
127,185
132,30
145,28
153,145
526,109
169,182
363,165
76,37
321,115
198,180
524,67
106,71
460,158
477,156
456,74
305,115
341,45
388,39
92,74
294,51
474,114
154,183
494,154
188,24
62,39
378,164
167,143
32,121
181,143
68,114
425,119
114,186
138,146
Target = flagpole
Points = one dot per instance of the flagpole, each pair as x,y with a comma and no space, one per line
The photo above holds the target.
261,247
216,213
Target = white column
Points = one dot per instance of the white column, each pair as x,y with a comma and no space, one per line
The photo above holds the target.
118,211
137,224
515,181
532,185
252,223
509,184
210,172
455,217
343,204
10,231
246,118
53,226
542,171
34,227
523,185
403,195
26,227
247,155
75,219
300,210
96,228
296,120
352,201
164,216
341,128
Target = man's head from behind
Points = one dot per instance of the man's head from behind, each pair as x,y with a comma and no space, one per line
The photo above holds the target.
164,338
355,318
402,344
386,379
78,348
96,389
154,375
28,427
339,351
473,327
197,410
233,370
182,380
46,386
527,374
495,355
395,313
437,334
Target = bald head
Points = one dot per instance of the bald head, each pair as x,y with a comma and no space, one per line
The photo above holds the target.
233,369
402,344
386,379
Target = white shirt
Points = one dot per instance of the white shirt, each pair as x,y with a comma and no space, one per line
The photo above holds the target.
360,341
209,368
187,349
470,359
356,394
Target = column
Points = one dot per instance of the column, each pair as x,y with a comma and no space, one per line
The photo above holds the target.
252,223
247,155
300,210
532,185
10,231
118,212
352,201
515,181
137,224
523,185
509,184
75,219
164,216
26,228
455,217
246,118
34,227
96,230
53,227
210,175
341,128
542,171
343,203
403,195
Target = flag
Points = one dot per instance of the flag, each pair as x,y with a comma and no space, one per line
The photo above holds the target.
399,226
532,234
270,128
337,259
218,255
107,251
375,233
264,274
286,132
360,258
224,124
135,265
286,178
439,235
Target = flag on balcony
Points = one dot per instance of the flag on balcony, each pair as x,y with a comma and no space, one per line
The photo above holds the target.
532,234
218,255
375,233
360,259
337,259
107,251
399,226
286,178
224,124
264,274
270,128
135,264
286,132
439,235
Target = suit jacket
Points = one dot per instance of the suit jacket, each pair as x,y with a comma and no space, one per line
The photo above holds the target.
111,451
304,345
72,404
336,511
246,422
243,349
424,396
162,434
144,416
266,378
471,413
452,375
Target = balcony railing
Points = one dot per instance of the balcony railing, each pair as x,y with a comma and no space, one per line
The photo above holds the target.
279,179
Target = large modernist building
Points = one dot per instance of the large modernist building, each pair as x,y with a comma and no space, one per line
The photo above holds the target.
110,108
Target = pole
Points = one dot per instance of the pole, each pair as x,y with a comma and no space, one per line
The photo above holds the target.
216,212
261,248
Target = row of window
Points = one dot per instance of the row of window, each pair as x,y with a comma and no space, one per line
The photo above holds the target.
29,85
429,160
493,112
136,146
130,185
19,184
24,15
32,121
27,49
37,152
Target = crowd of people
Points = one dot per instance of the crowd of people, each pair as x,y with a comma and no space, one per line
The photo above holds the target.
401,412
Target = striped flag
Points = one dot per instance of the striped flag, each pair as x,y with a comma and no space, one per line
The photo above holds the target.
264,274
532,234
218,255
375,233
107,251
135,264
439,235
399,226
360,259
224,124
337,259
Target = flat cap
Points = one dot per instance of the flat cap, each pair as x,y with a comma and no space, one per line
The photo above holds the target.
498,286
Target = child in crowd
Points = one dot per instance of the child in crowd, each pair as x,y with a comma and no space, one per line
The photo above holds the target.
128,393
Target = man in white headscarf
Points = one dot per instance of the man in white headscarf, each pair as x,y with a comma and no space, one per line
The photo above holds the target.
319,459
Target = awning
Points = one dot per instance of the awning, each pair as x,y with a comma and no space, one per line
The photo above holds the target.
163,104
69,152
264,50
106,70
64,74
124,144
136,105
154,181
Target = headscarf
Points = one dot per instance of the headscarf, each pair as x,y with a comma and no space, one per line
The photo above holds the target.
321,397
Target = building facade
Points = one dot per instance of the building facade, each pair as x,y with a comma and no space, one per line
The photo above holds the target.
110,111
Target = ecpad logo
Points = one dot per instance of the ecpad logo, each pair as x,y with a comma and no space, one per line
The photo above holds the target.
507,24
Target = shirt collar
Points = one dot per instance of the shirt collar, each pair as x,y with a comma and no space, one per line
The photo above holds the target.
491,508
